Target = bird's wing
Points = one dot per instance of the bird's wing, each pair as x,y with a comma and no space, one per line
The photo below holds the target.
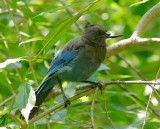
68,53
58,62
61,60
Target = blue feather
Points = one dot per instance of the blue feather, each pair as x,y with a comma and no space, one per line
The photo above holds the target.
61,60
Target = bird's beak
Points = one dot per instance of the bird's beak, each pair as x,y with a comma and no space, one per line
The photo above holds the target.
108,35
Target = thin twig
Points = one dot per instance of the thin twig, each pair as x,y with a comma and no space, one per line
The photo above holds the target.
138,73
105,106
135,39
20,39
146,19
9,82
135,97
92,107
150,97
86,86
60,105
18,121
70,13
85,93
132,67
6,46
7,100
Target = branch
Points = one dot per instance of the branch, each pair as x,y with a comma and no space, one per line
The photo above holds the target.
18,121
105,106
135,39
7,100
146,19
60,105
70,13
20,39
92,107
85,93
150,97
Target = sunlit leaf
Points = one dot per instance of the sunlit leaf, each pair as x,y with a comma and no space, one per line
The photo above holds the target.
31,40
104,76
7,110
59,8
138,3
9,61
55,34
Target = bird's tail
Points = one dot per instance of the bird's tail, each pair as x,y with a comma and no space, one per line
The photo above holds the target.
41,94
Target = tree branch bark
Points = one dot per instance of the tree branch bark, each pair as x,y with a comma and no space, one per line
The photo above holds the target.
135,38
85,93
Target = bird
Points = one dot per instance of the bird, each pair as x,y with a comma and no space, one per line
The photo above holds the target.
76,62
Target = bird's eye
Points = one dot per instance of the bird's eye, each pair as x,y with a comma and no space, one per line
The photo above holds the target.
98,32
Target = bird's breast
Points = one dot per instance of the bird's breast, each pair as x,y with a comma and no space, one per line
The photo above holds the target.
84,65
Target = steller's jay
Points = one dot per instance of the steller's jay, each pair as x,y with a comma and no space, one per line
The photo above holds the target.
76,62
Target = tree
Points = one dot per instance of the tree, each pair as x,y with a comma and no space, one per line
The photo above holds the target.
32,32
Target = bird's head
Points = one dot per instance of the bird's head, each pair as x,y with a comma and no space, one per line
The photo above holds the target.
96,33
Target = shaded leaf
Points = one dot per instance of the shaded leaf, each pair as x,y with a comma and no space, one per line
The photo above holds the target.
25,99
59,115
103,67
79,105
69,90
121,108
3,120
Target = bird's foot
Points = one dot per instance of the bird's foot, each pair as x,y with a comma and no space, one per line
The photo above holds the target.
66,101
100,85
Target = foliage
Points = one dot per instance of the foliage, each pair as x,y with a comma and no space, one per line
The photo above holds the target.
44,26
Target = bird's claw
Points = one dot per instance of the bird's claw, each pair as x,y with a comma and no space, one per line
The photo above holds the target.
66,102
99,84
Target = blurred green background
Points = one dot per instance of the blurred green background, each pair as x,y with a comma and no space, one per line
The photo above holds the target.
35,18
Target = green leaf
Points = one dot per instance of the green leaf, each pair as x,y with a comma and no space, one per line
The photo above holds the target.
69,90
138,3
104,76
3,120
121,108
55,34
103,67
25,99
59,115
31,40
9,61
119,93
96,6
79,105
58,8
7,110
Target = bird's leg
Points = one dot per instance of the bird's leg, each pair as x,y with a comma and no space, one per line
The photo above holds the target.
99,84
65,99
